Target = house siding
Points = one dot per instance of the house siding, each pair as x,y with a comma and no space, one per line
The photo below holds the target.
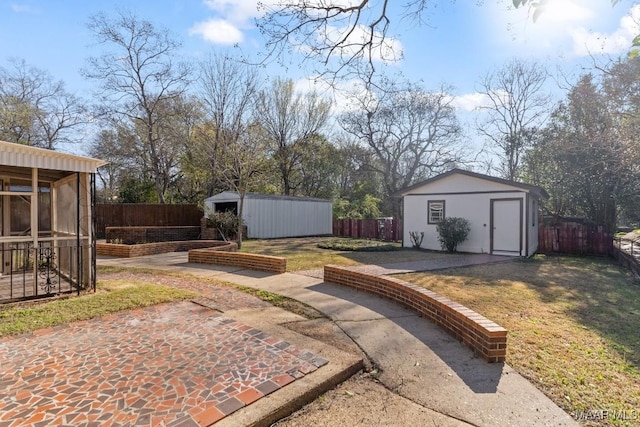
476,208
484,203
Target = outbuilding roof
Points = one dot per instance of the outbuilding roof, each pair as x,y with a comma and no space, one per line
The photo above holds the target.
266,196
539,191
19,155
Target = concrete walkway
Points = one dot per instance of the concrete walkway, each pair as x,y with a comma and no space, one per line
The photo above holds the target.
417,360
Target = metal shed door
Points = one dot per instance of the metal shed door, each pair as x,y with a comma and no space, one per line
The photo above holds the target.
506,226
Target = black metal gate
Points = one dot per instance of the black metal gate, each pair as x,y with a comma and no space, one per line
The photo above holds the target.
50,269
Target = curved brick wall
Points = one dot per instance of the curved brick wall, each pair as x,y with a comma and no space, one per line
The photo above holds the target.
486,338
130,251
271,264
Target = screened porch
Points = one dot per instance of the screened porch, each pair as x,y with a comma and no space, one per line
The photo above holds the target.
47,243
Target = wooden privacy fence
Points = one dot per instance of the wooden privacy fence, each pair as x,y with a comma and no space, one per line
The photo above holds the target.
381,229
573,238
145,214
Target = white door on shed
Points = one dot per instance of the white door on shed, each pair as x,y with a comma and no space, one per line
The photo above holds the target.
506,226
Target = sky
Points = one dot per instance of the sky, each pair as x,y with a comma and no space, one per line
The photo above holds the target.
459,43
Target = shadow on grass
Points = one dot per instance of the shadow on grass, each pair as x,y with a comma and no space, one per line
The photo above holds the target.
306,255
595,292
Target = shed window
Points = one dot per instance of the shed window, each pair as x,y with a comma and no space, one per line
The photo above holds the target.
436,211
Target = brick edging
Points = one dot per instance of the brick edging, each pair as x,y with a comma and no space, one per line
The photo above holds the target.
270,264
486,338
131,251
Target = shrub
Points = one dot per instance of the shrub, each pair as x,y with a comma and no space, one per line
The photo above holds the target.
225,222
452,231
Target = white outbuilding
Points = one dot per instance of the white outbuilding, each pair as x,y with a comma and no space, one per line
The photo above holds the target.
271,216
503,214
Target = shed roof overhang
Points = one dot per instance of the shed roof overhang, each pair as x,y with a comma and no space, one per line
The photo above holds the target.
19,155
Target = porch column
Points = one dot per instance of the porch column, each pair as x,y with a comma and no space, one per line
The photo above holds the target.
34,206
34,225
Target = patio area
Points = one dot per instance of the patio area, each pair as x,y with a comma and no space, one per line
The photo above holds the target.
176,364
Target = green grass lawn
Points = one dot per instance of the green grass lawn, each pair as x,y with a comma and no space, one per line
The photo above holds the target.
111,296
304,253
574,325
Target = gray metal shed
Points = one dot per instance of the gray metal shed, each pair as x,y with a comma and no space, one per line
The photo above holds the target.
272,216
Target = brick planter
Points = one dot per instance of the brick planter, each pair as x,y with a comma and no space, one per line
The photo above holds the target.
271,264
140,235
130,251
487,339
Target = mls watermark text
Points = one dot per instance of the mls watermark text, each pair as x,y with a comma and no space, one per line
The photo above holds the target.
608,414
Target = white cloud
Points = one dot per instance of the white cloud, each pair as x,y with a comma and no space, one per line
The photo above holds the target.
218,31
385,50
24,8
477,101
239,11
552,32
618,41
232,17
345,95
470,101
564,11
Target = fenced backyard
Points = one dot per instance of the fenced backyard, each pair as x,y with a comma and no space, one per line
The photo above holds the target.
389,229
574,239
139,215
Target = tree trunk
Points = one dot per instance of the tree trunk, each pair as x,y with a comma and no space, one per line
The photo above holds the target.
240,209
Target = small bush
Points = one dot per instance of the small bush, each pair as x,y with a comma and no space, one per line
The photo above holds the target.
358,245
452,231
225,222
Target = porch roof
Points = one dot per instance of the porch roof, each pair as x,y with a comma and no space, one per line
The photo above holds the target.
31,157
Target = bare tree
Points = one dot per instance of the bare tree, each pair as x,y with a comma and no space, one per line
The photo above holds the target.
413,133
348,37
108,146
138,79
343,37
290,121
229,91
36,109
516,109
243,165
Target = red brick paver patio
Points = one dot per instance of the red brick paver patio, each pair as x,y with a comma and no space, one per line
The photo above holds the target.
169,365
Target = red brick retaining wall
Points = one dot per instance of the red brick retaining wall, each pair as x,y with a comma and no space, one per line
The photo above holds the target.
130,251
486,338
271,264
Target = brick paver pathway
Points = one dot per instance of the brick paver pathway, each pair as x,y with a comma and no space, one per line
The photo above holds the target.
170,365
